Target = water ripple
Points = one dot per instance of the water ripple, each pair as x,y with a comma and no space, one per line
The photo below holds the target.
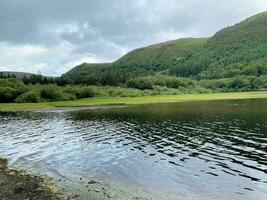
170,147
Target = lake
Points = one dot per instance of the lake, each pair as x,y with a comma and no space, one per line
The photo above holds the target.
198,150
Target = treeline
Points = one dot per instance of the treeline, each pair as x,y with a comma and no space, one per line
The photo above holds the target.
165,81
39,79
207,66
14,90
237,83
34,79
3,75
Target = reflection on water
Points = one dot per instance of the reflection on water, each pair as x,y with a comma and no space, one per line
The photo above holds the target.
209,150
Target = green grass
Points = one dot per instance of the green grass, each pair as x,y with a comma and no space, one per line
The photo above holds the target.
133,100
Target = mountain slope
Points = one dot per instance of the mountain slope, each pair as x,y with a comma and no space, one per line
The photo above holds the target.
236,50
144,61
157,58
85,73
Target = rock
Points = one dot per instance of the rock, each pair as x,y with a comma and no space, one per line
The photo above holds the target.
92,182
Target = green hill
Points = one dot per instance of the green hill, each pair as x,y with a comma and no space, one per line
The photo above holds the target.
158,58
237,50
149,60
86,73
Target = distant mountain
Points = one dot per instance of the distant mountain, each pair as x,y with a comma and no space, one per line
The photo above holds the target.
18,75
236,50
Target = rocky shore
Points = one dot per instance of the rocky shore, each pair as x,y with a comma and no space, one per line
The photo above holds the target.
18,185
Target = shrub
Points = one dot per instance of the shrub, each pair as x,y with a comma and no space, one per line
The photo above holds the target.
140,83
216,84
10,89
53,93
160,80
85,92
7,94
239,83
71,92
29,97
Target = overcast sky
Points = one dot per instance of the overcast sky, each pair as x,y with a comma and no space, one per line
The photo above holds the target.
52,36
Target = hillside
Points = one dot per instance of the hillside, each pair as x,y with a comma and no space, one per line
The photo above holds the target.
236,50
157,58
86,73
233,51
149,60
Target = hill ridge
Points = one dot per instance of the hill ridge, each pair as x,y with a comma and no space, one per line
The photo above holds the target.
235,50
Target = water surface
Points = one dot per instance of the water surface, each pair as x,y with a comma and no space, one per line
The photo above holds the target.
205,150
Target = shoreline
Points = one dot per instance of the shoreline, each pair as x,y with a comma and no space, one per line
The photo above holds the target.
21,184
124,101
17,184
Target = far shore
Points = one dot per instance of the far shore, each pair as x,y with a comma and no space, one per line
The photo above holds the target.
102,101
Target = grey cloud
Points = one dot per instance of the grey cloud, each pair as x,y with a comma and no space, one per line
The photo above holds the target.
103,30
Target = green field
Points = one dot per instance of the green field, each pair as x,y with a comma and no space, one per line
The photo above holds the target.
133,100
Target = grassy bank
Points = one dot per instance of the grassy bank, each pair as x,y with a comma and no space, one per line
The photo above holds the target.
133,100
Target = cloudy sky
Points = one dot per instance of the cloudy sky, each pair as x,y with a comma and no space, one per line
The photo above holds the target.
52,36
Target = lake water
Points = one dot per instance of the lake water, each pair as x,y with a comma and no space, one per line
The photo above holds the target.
205,150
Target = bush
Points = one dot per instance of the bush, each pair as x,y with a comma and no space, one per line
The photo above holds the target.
239,83
29,97
85,92
140,83
7,94
10,89
164,81
53,93
216,84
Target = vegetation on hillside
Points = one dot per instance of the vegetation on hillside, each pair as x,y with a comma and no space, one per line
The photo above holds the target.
239,50
91,74
236,50
152,60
